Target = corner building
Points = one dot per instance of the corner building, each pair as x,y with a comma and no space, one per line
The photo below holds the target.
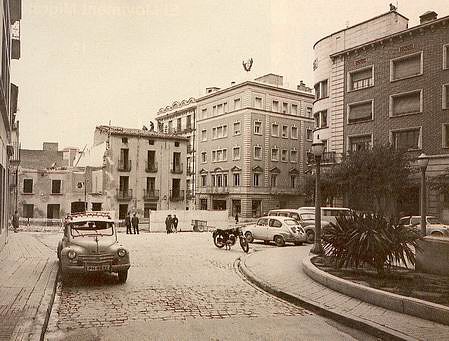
251,141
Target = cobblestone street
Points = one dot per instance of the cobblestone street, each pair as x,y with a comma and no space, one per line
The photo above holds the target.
179,287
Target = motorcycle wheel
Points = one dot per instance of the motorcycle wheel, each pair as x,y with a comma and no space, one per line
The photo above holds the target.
218,240
232,239
244,244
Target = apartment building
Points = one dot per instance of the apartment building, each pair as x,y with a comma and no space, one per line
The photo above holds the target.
143,170
11,13
250,146
396,91
179,118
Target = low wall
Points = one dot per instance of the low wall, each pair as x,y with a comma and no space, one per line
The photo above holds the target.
434,256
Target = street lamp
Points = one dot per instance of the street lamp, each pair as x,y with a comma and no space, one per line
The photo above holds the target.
423,161
317,150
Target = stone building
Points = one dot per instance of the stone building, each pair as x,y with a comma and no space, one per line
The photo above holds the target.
180,118
251,140
142,171
11,13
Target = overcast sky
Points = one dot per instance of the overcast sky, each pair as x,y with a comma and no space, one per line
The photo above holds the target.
88,62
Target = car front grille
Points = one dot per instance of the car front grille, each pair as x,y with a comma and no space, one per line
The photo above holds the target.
102,257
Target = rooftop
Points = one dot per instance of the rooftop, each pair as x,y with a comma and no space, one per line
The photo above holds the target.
137,132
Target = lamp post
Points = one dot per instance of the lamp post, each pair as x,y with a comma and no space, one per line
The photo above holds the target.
317,150
423,161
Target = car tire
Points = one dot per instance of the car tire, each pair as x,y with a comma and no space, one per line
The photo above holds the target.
123,276
249,237
279,241
310,236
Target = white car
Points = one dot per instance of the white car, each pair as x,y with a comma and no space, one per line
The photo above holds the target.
433,226
278,229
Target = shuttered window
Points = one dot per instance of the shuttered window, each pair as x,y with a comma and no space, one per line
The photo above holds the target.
360,112
361,79
406,139
407,103
406,66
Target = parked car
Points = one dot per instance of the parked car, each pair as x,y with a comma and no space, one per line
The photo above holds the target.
433,225
306,220
281,230
90,245
328,214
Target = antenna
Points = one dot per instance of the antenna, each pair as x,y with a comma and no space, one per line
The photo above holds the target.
79,157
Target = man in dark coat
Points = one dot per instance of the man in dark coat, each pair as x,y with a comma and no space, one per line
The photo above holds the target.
168,223
135,223
15,221
128,224
175,223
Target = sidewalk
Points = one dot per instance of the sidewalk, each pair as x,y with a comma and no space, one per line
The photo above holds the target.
279,271
28,274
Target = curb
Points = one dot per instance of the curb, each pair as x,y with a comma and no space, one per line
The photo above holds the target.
353,322
402,304
51,298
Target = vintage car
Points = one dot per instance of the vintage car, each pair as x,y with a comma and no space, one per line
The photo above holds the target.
90,245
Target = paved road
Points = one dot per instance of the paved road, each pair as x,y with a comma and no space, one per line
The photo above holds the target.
181,287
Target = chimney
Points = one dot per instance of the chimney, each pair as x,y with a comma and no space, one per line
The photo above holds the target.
50,146
303,87
211,89
428,16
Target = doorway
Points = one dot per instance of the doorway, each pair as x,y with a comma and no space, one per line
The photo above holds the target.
122,211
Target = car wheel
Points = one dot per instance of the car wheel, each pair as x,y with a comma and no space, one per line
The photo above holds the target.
310,236
279,241
123,276
249,237
436,234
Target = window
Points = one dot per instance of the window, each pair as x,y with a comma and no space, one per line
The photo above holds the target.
236,179
220,132
170,127
446,57
220,109
203,180
309,112
236,153
151,142
203,157
225,107
293,156
324,119
293,181
294,132
176,144
445,100
362,111
28,186
204,135
124,140
258,102
405,67
357,143
309,134
406,103
257,152
274,154
178,124
273,181
285,108
445,135
285,131
258,127
204,113
56,186
360,79
189,122
275,129
275,106
256,179
407,139
275,223
284,155
214,110
321,89
237,104
219,155
28,210
294,109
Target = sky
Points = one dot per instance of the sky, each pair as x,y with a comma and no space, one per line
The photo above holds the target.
90,62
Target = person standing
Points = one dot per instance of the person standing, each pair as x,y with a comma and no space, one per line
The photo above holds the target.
168,222
135,223
15,221
175,223
236,218
128,223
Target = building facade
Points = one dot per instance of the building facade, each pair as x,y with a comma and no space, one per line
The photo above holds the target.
143,170
180,118
250,146
11,13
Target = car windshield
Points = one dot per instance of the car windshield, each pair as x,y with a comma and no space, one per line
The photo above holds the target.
433,220
92,228
308,216
290,222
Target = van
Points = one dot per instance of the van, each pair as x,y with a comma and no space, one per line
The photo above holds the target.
328,214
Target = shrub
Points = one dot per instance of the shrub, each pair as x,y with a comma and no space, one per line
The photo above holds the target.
362,238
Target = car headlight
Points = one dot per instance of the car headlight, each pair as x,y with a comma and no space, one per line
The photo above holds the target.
121,252
71,254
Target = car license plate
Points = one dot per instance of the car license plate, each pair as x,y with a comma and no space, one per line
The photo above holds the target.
101,267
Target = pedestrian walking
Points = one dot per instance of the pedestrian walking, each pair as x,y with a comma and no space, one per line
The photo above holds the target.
135,223
168,223
175,223
15,221
236,218
128,223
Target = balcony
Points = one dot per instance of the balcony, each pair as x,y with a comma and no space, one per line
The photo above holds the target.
151,167
327,158
176,168
177,195
150,194
125,194
217,190
124,165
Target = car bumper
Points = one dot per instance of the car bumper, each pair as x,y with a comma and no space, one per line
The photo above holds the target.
72,268
295,239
